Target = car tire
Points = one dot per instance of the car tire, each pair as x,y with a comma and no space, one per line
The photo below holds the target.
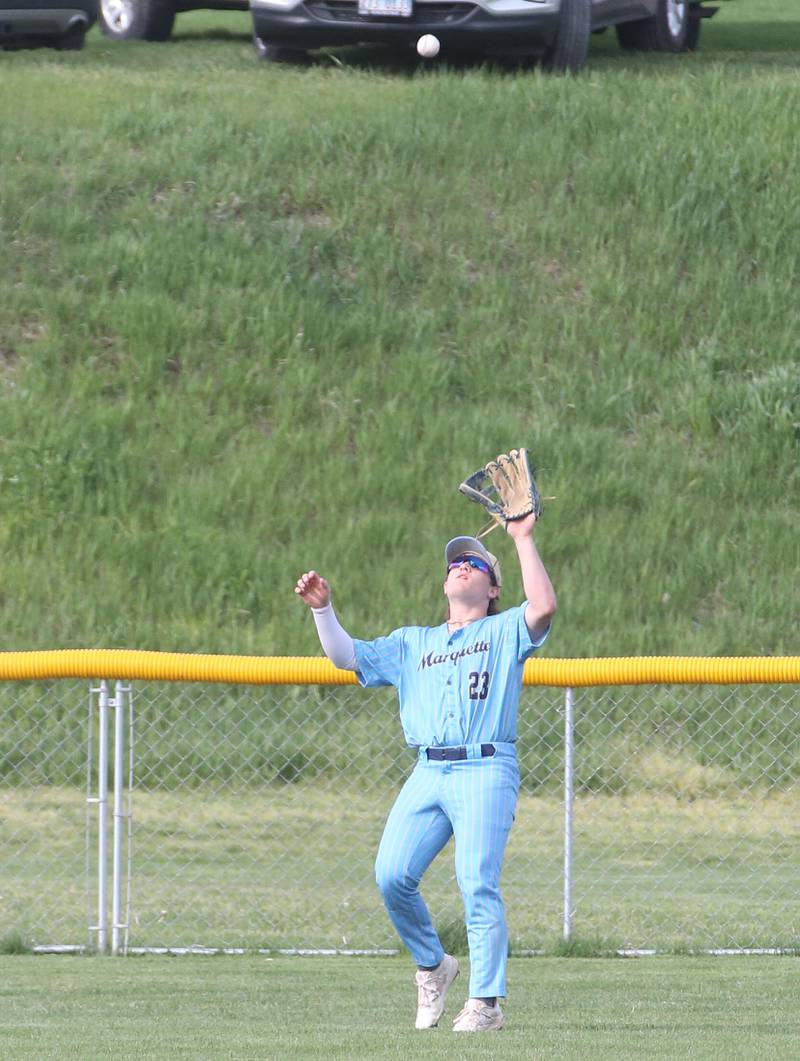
668,30
570,46
147,20
277,53
693,32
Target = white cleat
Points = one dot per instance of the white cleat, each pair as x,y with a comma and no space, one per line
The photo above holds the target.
432,988
476,1016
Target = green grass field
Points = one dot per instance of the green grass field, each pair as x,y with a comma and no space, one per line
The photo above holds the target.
254,320
237,1008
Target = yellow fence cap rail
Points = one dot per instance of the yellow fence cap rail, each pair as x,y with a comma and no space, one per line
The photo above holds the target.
664,670
136,664
120,663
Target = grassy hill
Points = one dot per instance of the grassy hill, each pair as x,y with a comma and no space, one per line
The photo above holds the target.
256,320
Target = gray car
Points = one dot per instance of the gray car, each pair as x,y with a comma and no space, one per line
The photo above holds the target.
58,24
556,32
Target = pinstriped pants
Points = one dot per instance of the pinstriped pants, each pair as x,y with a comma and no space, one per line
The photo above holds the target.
473,800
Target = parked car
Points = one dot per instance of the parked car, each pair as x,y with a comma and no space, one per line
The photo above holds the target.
557,32
152,20
58,24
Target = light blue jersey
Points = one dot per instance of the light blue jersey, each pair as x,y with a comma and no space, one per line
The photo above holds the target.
458,691
455,688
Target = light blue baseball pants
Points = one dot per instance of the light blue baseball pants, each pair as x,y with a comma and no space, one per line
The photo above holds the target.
473,800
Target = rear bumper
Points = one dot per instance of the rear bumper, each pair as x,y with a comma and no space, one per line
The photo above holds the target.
46,21
506,24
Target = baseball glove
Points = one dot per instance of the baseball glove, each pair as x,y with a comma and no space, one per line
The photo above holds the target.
506,488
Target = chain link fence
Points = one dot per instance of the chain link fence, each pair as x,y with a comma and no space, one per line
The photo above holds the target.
256,814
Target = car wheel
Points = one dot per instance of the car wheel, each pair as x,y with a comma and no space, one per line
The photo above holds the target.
277,53
668,30
125,20
570,46
693,31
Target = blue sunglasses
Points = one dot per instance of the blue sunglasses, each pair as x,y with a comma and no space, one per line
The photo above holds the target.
474,562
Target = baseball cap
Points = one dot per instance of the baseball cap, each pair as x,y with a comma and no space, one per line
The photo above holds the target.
472,547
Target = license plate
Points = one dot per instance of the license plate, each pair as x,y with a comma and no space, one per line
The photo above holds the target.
387,8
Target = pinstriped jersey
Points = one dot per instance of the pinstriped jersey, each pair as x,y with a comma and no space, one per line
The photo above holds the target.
455,687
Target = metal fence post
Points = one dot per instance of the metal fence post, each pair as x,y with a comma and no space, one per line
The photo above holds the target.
569,794
101,799
116,865
119,814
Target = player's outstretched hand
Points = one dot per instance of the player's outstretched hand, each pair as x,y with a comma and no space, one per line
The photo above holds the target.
521,528
313,589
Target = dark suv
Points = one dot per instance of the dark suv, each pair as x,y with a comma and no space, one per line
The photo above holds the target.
554,31
46,23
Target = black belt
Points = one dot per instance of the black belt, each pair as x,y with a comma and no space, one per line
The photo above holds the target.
450,754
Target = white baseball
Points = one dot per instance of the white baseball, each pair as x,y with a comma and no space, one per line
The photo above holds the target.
428,46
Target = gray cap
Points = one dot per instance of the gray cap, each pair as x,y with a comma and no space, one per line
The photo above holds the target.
472,547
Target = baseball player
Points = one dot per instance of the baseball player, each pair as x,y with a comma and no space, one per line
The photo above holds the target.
458,685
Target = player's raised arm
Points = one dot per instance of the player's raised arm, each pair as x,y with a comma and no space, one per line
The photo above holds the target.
336,643
536,582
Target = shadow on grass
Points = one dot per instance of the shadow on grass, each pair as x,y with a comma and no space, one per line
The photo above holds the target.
380,58
760,42
211,35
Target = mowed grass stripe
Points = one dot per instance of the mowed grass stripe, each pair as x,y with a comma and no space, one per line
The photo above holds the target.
58,1007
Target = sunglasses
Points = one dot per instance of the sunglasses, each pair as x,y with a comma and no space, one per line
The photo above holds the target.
474,562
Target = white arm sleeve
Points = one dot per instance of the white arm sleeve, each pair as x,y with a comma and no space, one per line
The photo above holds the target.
336,643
